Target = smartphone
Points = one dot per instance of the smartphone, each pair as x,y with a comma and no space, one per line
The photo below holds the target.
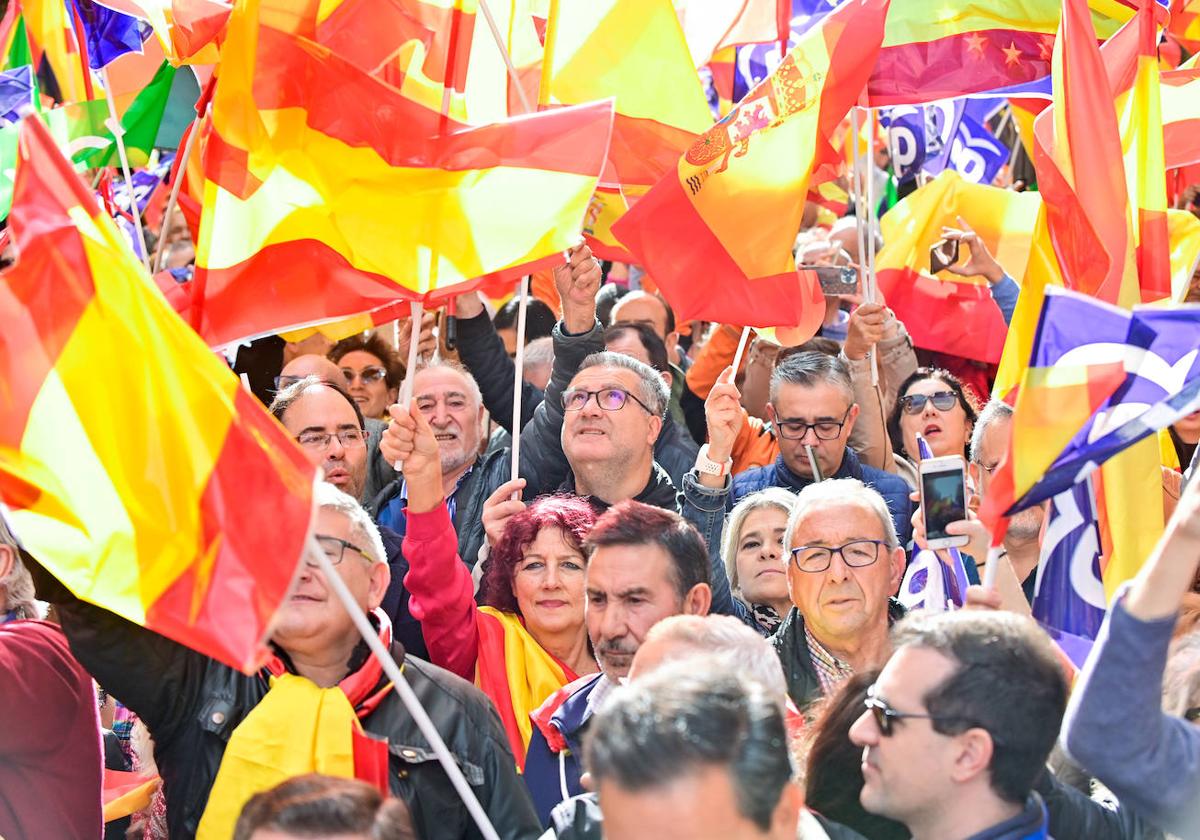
943,499
944,253
834,279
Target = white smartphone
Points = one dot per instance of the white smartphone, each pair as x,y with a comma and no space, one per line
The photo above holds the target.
943,499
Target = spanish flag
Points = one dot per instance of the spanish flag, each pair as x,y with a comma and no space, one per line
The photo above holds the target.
329,193
1181,117
712,27
946,313
1131,57
942,50
655,122
135,467
716,235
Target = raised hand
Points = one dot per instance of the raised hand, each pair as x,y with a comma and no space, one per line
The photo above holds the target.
979,259
578,280
410,444
500,507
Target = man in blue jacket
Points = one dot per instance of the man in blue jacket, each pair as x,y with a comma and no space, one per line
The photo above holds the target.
812,408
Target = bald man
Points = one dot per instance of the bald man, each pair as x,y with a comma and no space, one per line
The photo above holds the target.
379,472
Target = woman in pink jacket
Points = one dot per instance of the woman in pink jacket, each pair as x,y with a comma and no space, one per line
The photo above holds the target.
529,638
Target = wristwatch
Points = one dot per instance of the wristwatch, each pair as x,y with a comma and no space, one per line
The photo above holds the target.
708,466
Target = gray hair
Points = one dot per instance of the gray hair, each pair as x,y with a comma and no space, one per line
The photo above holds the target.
18,585
362,529
726,644
771,497
989,414
461,369
842,491
1181,678
810,368
658,730
653,390
540,352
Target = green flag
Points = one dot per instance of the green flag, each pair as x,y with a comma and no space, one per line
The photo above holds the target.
141,123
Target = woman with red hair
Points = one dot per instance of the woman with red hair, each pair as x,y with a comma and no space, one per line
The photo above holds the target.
528,638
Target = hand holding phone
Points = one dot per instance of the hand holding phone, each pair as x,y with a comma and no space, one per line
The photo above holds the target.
943,499
943,254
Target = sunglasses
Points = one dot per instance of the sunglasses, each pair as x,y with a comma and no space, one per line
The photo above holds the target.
942,401
886,717
368,375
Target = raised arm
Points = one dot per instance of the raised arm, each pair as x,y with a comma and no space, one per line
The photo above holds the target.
438,582
482,351
1153,766
543,464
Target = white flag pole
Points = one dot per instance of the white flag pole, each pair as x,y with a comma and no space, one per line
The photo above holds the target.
407,696
118,133
518,378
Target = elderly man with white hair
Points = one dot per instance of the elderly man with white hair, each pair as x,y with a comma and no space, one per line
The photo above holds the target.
221,736
844,564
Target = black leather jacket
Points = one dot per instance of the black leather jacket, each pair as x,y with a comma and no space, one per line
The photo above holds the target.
191,704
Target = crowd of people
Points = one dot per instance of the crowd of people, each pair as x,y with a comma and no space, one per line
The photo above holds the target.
674,613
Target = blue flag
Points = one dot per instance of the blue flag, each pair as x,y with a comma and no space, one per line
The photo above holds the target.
1161,356
110,34
17,88
975,153
1069,593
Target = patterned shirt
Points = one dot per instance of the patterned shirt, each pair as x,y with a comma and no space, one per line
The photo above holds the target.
831,671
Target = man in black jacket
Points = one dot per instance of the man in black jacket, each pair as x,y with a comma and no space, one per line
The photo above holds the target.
482,351
194,706
450,398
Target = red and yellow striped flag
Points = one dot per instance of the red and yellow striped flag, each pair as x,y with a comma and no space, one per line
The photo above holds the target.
136,468
946,313
654,123
1181,117
712,27
1079,160
329,193
1131,57
717,234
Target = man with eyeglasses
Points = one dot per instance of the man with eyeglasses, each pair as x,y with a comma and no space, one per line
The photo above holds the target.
613,414
328,424
843,565
379,472
958,727
813,411
220,735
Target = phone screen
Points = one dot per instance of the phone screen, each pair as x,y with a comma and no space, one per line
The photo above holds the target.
943,497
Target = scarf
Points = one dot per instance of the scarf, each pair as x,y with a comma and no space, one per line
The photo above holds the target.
299,727
516,673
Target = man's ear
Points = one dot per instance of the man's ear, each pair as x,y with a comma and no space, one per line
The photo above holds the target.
667,377
381,576
974,757
655,428
850,418
698,600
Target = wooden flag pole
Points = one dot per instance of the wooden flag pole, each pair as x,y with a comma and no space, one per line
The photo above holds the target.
518,380
118,133
407,696
181,162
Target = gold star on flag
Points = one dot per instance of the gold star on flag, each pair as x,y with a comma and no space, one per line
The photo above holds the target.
976,43
1046,49
1012,55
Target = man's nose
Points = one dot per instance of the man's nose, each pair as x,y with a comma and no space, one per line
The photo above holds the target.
864,732
838,571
